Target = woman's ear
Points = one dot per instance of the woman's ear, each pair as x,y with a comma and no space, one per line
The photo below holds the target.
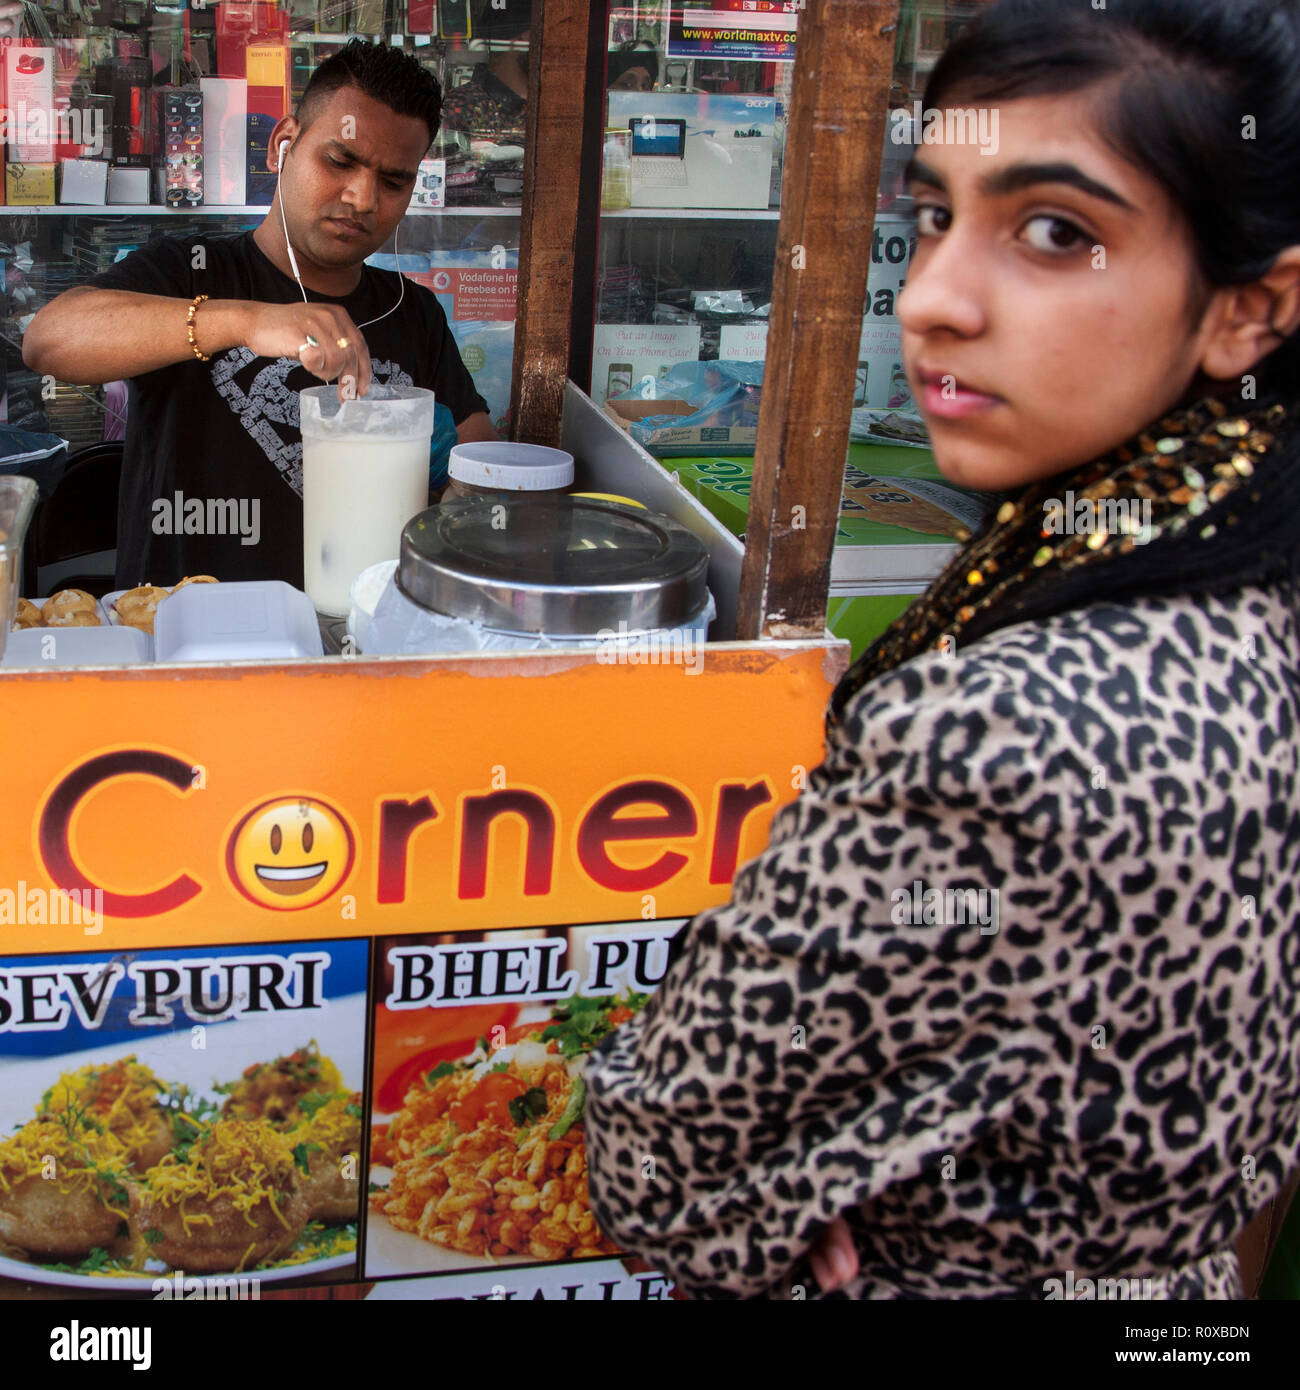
1244,323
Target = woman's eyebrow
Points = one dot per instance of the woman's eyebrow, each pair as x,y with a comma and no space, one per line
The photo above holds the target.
1019,176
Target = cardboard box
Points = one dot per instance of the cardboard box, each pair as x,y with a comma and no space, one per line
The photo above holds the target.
225,134
29,185
29,94
130,83
244,22
667,439
430,184
268,79
259,180
83,181
128,185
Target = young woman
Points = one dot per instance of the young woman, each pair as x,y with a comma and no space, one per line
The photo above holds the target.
1089,1066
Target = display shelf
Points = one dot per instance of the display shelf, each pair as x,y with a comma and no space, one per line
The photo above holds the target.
697,214
211,210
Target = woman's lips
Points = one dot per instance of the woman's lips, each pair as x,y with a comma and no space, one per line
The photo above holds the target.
946,398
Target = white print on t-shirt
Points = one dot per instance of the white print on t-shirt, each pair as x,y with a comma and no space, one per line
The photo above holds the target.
254,388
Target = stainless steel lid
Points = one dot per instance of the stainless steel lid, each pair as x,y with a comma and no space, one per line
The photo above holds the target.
570,566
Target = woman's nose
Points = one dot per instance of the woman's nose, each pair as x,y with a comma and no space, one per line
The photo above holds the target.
947,287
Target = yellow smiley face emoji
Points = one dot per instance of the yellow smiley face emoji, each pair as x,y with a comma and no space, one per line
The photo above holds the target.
290,853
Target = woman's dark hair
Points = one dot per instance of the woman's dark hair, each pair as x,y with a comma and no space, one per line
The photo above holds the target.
623,60
1204,98
387,74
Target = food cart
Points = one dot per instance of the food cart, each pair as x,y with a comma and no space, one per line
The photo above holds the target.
465,850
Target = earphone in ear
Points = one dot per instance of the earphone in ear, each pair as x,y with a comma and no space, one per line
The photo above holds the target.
282,153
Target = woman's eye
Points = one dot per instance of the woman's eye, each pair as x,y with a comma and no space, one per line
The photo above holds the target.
1053,234
931,218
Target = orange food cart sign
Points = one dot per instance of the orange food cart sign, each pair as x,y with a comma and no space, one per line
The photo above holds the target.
251,804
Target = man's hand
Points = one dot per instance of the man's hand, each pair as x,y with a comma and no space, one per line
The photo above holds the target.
834,1257
91,335
282,330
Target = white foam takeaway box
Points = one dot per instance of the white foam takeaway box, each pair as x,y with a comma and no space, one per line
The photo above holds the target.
247,620
78,646
225,140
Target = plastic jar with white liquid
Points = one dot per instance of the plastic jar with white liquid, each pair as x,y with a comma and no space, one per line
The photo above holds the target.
365,474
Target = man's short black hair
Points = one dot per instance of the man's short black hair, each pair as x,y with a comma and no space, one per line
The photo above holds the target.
382,72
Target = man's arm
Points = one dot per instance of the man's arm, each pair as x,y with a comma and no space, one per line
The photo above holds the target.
91,335
474,428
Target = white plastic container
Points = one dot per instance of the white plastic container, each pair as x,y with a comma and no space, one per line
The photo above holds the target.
365,473
44,647
492,470
367,589
252,620
399,626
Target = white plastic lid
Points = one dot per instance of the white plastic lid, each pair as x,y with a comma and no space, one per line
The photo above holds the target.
510,467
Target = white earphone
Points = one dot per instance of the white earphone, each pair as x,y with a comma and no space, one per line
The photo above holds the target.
282,153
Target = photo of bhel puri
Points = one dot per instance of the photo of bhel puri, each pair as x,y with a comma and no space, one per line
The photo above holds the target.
488,1154
122,1174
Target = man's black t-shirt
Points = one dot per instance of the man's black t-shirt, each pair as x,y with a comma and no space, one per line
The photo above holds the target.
207,440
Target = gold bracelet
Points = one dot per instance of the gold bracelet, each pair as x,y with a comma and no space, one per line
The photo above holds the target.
194,347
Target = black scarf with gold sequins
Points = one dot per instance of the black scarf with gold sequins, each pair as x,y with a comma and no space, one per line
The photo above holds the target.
1205,500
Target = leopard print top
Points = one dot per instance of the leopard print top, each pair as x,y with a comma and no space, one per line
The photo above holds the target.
1101,1080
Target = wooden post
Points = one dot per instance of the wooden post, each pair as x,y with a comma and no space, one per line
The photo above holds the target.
844,58
548,229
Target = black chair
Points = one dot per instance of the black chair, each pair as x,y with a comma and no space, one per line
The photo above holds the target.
78,519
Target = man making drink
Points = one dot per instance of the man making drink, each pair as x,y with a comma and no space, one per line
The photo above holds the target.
218,334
